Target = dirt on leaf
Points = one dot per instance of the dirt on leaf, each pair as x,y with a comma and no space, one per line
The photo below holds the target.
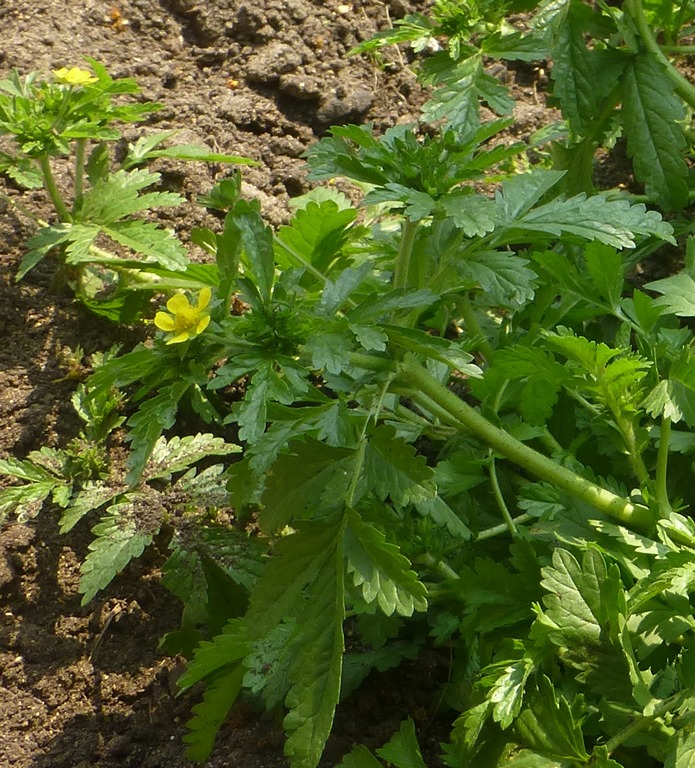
87,686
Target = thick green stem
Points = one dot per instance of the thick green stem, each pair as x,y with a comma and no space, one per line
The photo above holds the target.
52,188
526,457
684,88
80,149
644,721
662,499
401,271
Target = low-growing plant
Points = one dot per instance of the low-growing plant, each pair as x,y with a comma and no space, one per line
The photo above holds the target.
613,70
463,424
458,427
111,256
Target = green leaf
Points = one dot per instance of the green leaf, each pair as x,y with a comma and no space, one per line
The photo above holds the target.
91,496
381,571
302,480
613,222
573,73
329,351
316,234
474,214
655,141
606,270
208,716
257,239
146,238
678,294
392,469
224,651
179,453
117,542
149,421
504,278
520,193
41,244
359,757
316,669
681,749
507,693
547,724
403,750
200,153
116,197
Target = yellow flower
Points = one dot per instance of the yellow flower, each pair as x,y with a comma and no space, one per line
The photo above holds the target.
74,76
184,320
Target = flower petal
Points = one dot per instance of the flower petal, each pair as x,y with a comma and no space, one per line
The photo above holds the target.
164,322
183,336
178,304
202,324
204,297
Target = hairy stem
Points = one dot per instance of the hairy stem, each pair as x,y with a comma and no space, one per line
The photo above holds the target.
52,188
80,149
526,457
662,499
402,269
499,498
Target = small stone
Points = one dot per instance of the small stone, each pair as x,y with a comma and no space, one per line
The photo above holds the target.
346,105
271,62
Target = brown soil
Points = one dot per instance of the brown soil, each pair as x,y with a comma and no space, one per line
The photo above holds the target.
87,686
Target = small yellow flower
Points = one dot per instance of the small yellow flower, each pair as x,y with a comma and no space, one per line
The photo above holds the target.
184,320
74,76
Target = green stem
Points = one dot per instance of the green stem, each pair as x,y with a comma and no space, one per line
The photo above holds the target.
80,149
401,271
52,188
444,568
499,498
526,457
683,87
496,530
642,722
474,330
662,499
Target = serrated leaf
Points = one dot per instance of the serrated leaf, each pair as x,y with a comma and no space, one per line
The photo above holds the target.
507,692
208,716
317,233
547,725
300,479
257,239
474,214
613,222
41,244
225,650
146,238
329,351
573,73
148,422
678,294
117,197
335,293
356,666
402,750
606,270
456,101
443,515
117,542
381,571
520,193
655,141
359,757
392,469
504,278
90,497
179,453
316,668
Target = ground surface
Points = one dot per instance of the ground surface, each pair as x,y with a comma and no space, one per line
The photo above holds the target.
86,686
